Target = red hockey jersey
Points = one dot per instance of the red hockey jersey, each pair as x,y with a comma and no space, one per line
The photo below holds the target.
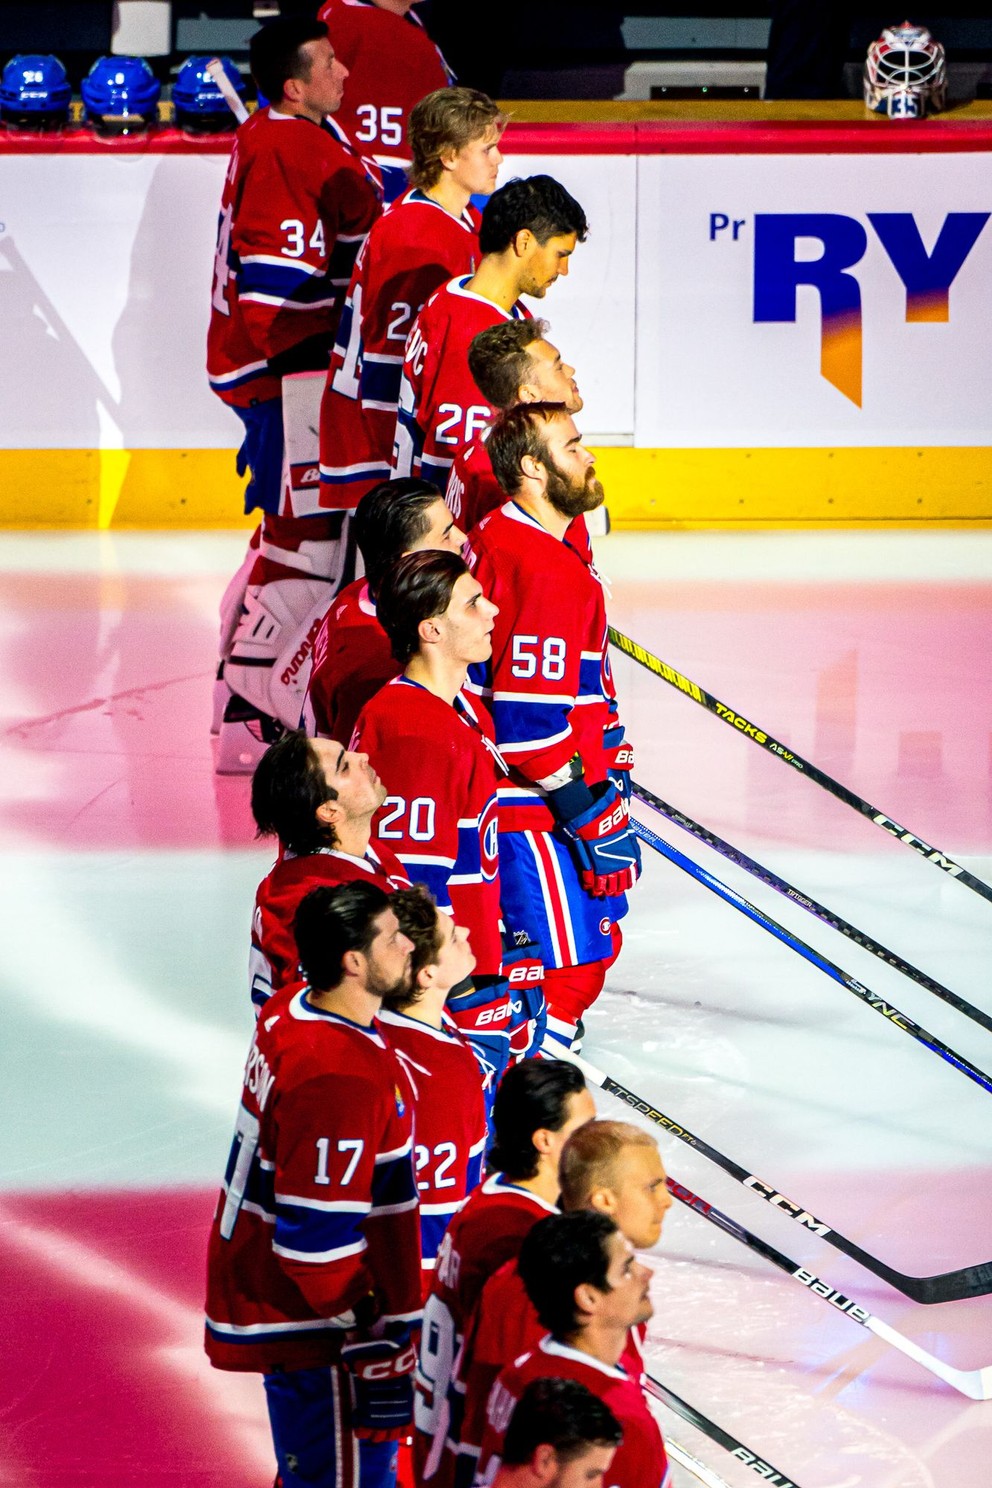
640,1460
392,63
440,409
549,683
274,963
412,249
449,1122
504,1327
318,1208
440,768
295,208
352,660
488,1231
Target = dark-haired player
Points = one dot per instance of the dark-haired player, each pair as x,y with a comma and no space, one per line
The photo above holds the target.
538,1105
313,1271
318,799
297,203
435,747
560,1436
529,231
567,850
449,1112
352,657
425,238
589,1290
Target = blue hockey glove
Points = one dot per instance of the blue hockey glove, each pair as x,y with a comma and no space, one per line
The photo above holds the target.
482,1010
524,971
597,823
619,758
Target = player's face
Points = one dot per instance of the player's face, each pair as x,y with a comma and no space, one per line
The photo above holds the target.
476,165
360,792
572,486
640,1197
468,622
455,959
322,91
387,960
544,262
550,380
587,1471
628,1301
442,534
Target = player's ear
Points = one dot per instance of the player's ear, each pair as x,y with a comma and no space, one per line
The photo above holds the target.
330,813
429,631
604,1201
544,1463
522,242
531,467
447,157
353,963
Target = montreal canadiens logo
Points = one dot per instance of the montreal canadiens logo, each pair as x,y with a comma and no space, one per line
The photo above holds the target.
489,841
605,926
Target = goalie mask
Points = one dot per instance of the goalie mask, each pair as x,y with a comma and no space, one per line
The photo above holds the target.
905,75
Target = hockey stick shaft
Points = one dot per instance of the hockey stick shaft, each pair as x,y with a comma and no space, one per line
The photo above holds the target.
975,1383
216,70
871,999
950,1286
737,1450
819,911
674,678
693,1465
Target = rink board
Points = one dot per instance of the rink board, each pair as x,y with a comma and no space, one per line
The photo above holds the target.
801,340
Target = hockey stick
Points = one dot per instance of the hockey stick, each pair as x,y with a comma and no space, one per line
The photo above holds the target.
659,668
949,1286
766,876
888,1010
975,1383
693,1465
716,1433
220,77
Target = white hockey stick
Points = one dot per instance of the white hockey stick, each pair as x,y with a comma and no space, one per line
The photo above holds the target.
220,77
692,1464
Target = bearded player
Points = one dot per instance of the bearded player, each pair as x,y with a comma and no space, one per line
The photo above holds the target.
567,851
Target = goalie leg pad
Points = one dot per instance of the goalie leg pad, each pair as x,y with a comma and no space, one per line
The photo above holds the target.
269,664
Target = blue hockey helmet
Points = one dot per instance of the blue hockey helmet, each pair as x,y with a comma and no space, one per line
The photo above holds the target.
199,103
34,92
120,94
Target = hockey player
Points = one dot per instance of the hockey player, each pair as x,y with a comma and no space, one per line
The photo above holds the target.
435,749
313,1271
426,237
567,850
560,1436
318,799
449,1113
611,1167
512,362
529,231
296,206
352,657
589,1291
391,63
538,1105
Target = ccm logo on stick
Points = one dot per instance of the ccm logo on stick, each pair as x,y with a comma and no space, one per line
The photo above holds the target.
781,1202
